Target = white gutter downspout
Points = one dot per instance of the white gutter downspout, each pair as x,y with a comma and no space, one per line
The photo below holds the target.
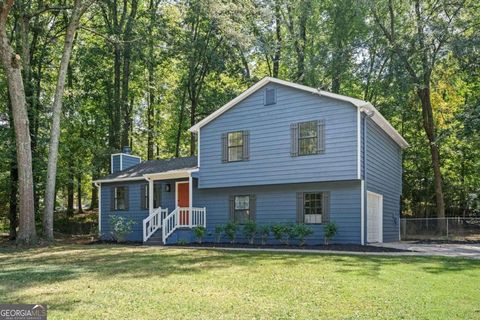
368,114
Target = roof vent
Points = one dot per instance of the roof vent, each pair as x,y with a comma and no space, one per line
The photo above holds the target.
270,96
127,150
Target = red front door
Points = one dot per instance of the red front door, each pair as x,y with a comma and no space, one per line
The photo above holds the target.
183,201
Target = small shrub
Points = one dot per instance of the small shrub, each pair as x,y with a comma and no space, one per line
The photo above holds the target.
264,232
199,233
277,231
330,230
231,231
289,233
218,232
250,230
121,227
302,231
182,242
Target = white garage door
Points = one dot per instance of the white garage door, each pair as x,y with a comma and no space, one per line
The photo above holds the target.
374,217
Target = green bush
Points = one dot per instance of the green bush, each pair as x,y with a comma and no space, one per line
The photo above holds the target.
289,233
231,231
218,232
330,230
264,232
302,231
199,233
121,227
250,230
277,231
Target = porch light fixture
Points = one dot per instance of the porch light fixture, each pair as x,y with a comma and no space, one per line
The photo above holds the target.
167,187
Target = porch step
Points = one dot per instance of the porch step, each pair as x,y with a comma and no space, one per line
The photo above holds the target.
156,238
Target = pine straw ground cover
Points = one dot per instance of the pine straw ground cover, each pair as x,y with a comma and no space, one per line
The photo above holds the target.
137,282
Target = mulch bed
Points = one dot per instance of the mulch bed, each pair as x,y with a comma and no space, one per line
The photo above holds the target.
330,247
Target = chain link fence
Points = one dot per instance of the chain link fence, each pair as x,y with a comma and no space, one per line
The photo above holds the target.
452,229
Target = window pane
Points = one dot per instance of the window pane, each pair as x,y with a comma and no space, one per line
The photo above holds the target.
307,146
313,206
242,216
120,198
235,153
235,139
308,129
242,202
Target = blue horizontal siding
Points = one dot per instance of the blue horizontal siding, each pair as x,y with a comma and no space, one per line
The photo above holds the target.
134,212
384,176
129,161
115,165
278,204
275,204
269,126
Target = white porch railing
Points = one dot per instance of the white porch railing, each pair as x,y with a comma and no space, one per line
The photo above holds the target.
183,218
153,222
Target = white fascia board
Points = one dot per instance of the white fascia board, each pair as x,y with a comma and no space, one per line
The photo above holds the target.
173,174
377,118
118,180
385,125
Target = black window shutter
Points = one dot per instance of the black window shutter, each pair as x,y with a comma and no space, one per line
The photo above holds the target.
126,198
224,147
294,139
246,145
143,205
326,207
231,209
112,200
253,207
320,136
300,215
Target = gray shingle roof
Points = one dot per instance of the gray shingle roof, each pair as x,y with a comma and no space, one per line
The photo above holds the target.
154,166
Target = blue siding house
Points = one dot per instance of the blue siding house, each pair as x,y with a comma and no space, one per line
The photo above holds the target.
280,152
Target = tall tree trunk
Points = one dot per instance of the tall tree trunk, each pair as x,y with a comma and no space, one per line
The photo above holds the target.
77,12
70,190
94,197
193,112
429,127
181,115
13,199
79,193
12,210
12,67
126,107
278,42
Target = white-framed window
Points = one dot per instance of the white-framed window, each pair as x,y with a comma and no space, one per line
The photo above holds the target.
307,138
235,146
313,207
241,209
120,198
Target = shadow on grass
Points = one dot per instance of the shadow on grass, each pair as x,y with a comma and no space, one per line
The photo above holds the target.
27,268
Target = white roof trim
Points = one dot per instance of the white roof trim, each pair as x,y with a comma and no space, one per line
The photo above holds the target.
118,179
377,118
172,174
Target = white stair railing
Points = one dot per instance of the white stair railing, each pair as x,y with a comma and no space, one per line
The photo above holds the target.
183,218
153,222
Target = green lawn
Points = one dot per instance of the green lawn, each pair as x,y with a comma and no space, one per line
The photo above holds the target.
123,282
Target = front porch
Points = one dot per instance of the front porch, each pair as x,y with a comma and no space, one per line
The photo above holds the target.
184,215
